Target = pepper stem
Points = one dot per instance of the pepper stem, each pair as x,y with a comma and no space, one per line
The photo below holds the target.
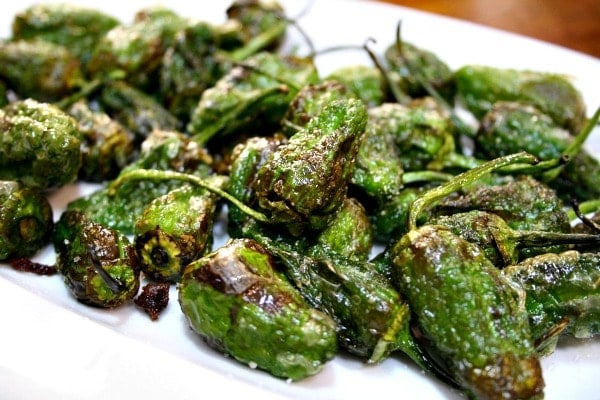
152,174
463,179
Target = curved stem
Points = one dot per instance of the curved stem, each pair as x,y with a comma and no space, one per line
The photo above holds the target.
463,179
152,174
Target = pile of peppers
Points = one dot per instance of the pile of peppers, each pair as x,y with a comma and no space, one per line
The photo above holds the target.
487,257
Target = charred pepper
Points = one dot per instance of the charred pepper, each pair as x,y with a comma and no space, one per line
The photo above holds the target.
235,299
99,265
26,221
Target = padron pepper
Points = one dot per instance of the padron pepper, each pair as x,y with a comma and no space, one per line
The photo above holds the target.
26,220
480,86
176,229
99,265
76,27
106,145
562,295
472,318
305,180
39,144
162,150
39,69
235,299
503,245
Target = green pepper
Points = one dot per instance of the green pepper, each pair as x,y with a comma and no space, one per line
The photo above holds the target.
480,86
137,48
99,265
305,180
76,27
410,66
26,222
39,69
106,145
175,229
504,246
135,109
511,126
251,97
562,295
365,82
472,318
162,150
235,299
39,144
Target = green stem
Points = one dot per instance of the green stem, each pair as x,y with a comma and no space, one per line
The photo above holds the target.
463,179
152,174
259,42
425,176
575,147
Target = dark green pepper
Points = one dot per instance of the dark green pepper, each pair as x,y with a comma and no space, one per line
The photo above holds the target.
239,304
26,222
106,145
480,86
472,318
39,144
39,69
99,264
176,229
562,295
76,27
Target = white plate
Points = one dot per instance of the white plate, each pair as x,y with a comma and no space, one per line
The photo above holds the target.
52,347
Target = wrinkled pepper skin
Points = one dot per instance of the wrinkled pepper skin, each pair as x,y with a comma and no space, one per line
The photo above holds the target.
99,265
75,27
106,145
562,290
349,232
479,87
39,144
471,317
38,69
252,97
162,150
137,48
174,230
510,127
237,302
305,180
502,245
26,221
255,17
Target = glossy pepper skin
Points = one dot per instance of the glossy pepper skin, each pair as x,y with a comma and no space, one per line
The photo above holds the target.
365,82
239,304
472,317
39,69
511,126
106,145
174,230
99,264
480,86
39,144
26,221
562,295
305,180
162,150
76,27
